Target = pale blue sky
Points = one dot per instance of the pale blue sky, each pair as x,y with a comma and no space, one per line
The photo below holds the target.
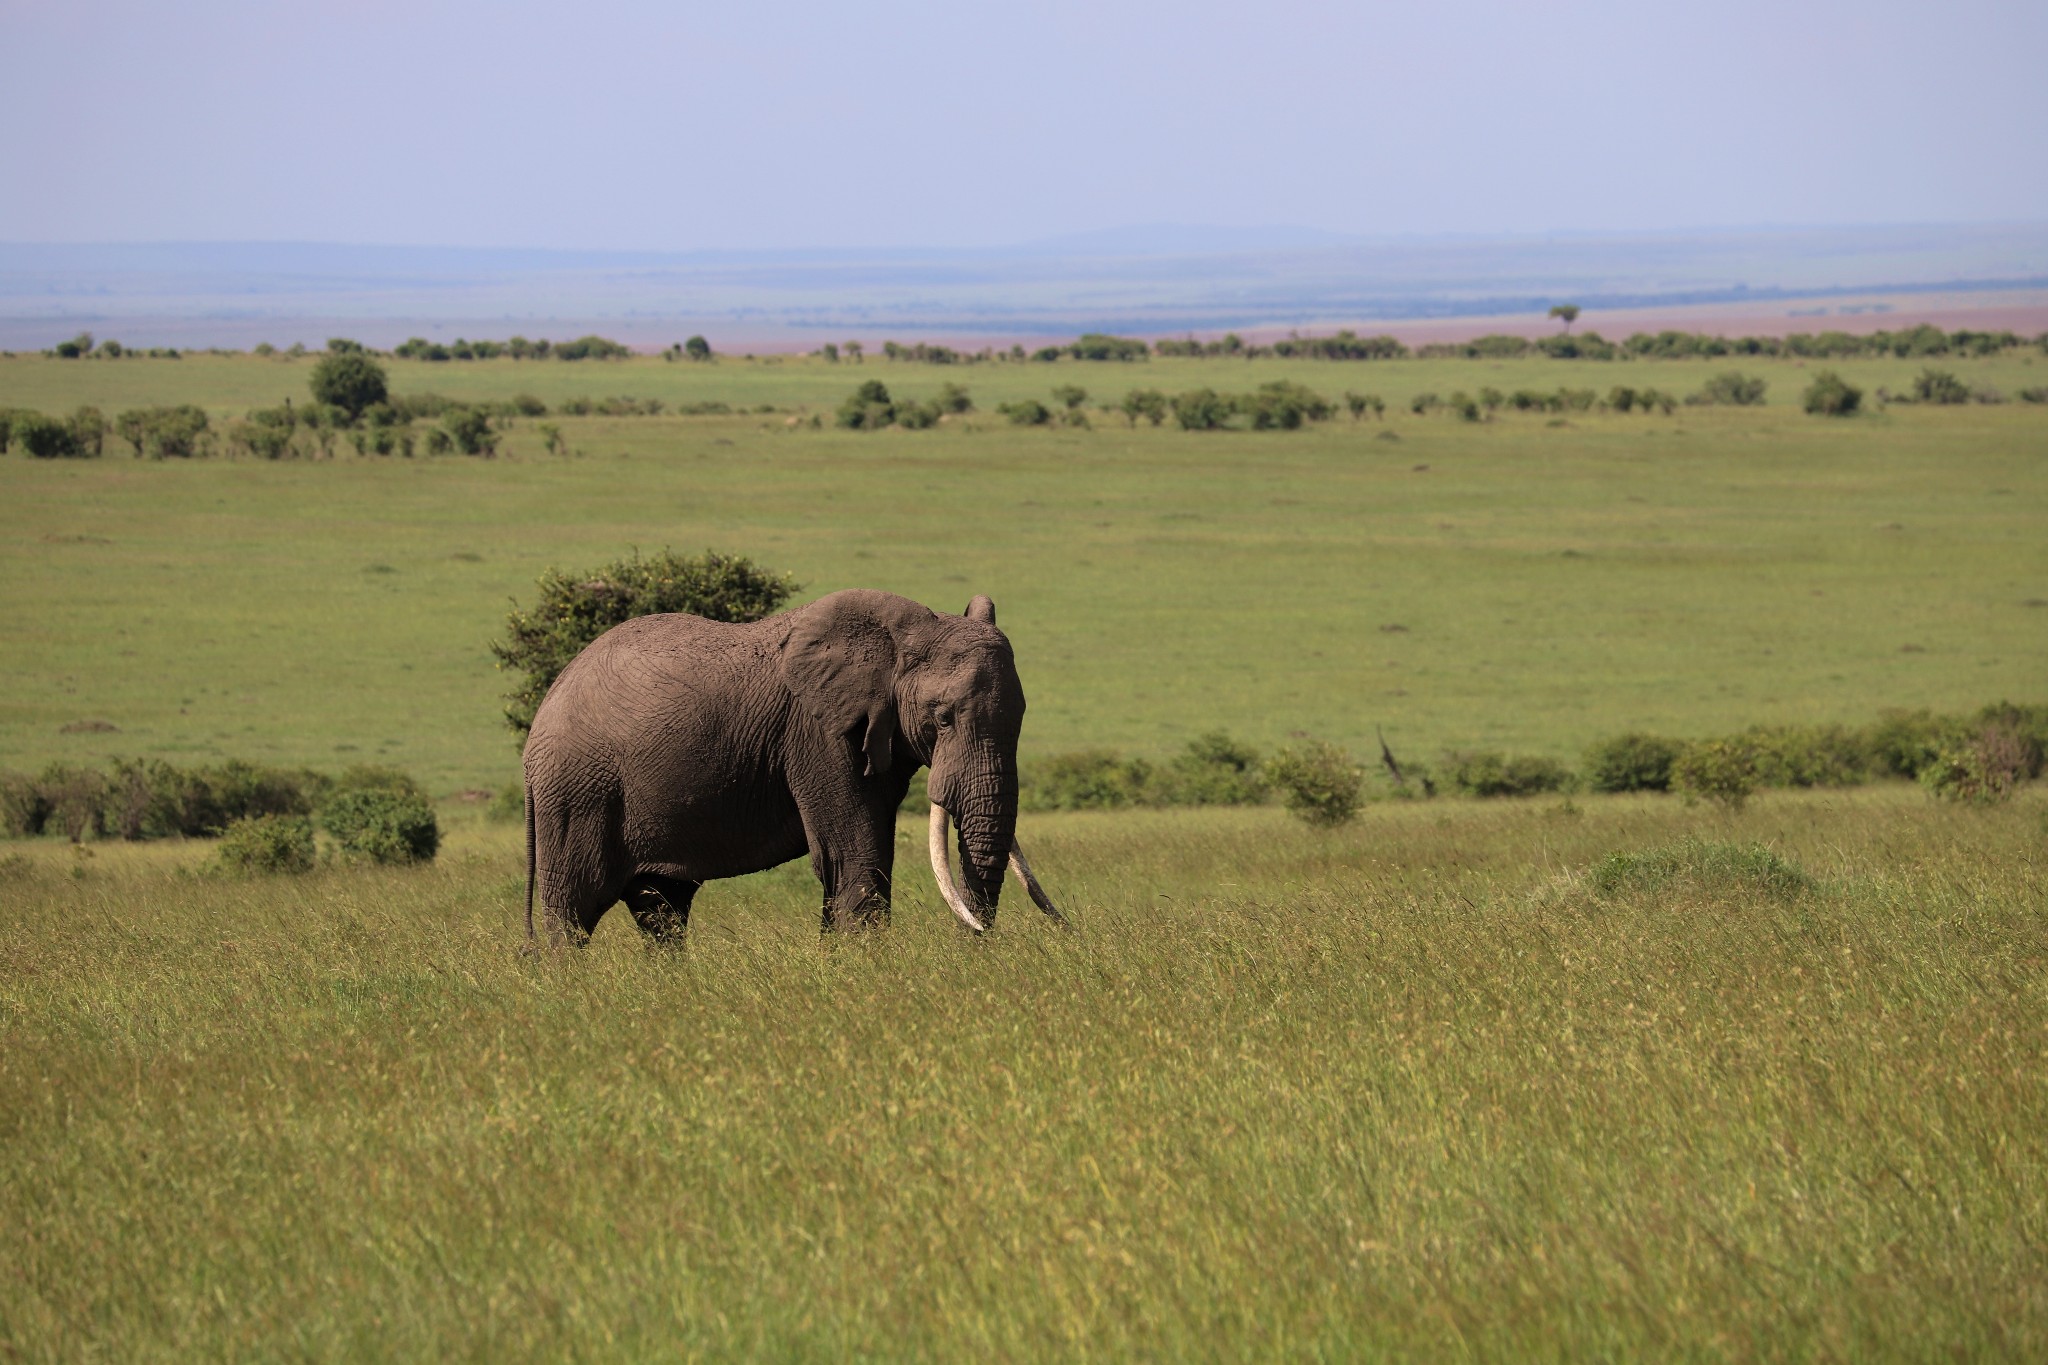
679,126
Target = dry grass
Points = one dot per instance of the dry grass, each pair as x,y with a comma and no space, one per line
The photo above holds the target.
1414,1087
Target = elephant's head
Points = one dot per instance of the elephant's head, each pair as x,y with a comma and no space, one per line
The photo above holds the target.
893,676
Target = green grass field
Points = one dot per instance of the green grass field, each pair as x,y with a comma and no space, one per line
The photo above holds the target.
1417,1087
1442,1083
1514,584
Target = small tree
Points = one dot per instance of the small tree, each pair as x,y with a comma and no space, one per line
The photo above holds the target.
45,438
1320,781
1201,410
89,431
697,348
1568,313
853,351
470,429
574,609
1149,404
349,380
1829,395
1071,396
867,408
829,352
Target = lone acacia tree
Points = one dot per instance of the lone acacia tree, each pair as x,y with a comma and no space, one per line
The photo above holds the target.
1569,312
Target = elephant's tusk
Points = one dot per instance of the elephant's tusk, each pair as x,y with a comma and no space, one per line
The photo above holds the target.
1022,867
942,871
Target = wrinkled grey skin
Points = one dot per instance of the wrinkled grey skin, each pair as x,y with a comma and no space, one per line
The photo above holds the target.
674,750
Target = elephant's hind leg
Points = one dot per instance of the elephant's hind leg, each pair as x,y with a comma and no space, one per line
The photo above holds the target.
661,906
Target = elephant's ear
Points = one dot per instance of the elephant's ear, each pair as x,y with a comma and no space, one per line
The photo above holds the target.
841,665
982,609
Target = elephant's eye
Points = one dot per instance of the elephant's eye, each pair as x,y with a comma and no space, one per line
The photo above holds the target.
945,720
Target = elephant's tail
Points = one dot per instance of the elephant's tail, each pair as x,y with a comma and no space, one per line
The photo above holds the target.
529,860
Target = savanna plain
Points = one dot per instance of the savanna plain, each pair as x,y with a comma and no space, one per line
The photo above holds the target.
1572,1076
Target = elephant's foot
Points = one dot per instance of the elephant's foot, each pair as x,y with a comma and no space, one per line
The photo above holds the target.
867,912
661,907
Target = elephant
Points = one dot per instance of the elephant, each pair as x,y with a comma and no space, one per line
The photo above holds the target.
675,750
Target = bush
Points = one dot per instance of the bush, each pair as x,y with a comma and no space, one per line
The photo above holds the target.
1494,774
163,432
1214,770
1698,865
1806,756
151,799
1091,779
573,610
1985,770
697,348
266,843
953,398
1096,346
1284,405
1422,404
383,823
1070,396
1026,412
1718,770
1149,404
1732,388
1319,782
1829,395
349,380
1201,410
1939,387
1902,743
45,438
867,408
470,430
1631,763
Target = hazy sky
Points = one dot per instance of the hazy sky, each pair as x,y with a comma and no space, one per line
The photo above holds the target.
894,122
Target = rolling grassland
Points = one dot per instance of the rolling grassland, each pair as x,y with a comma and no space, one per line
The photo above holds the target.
1557,1078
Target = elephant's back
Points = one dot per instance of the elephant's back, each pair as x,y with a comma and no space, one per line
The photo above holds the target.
659,668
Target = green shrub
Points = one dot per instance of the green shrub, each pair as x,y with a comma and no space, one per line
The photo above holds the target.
151,799
1283,405
1733,388
1830,395
470,430
1699,865
1214,770
1070,396
1424,403
1494,774
1090,779
1631,762
1807,755
574,609
953,398
1983,771
382,825
1201,410
1318,781
1719,770
266,843
867,408
45,438
1939,387
23,809
349,380
165,432
72,799
1026,412
1149,404
1902,743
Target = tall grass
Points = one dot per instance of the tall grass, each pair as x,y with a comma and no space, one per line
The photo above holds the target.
1425,1085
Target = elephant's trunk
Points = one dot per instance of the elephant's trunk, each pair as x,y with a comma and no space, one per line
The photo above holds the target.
985,839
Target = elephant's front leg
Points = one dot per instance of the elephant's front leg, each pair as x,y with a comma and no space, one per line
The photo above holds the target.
661,907
854,861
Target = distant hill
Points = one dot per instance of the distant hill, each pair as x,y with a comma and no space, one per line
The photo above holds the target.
1151,279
